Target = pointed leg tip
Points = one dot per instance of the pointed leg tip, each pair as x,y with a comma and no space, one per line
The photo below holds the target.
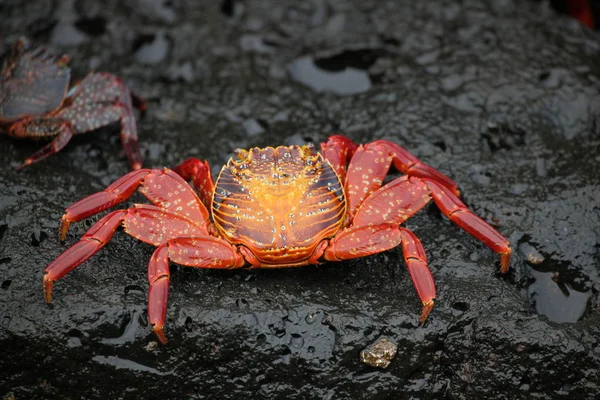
427,307
25,163
47,285
63,228
160,334
505,262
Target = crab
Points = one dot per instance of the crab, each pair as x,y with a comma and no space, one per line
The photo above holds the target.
286,206
36,102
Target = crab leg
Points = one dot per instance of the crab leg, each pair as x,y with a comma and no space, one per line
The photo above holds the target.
370,164
393,203
158,186
410,165
459,213
375,229
366,172
158,278
180,239
402,198
100,99
32,128
338,150
157,226
117,192
199,252
199,173
85,120
360,241
416,262
375,226
91,242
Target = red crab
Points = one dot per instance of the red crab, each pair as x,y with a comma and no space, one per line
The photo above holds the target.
36,103
271,208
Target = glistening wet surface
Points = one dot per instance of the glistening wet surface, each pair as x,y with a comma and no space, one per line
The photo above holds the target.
499,95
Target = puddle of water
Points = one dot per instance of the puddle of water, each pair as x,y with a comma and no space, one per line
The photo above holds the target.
558,301
152,49
347,81
129,331
253,127
558,291
121,363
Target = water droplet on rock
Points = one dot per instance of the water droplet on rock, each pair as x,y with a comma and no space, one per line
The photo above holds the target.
311,318
296,341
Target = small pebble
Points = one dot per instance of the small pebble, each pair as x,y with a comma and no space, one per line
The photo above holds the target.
379,354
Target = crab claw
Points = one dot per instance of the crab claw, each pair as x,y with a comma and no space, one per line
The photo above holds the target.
427,307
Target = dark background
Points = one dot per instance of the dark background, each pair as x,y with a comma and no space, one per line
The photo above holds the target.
503,96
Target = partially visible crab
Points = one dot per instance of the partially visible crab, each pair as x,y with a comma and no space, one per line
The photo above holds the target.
36,103
275,207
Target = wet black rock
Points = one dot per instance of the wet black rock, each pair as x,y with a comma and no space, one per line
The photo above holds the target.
503,96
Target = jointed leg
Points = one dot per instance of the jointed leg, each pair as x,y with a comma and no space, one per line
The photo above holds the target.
338,150
202,251
360,241
158,278
91,242
397,201
155,185
199,252
459,213
410,165
99,100
129,137
416,262
115,193
367,170
370,165
199,173
43,128
84,119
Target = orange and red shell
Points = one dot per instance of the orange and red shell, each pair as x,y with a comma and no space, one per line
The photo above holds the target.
280,203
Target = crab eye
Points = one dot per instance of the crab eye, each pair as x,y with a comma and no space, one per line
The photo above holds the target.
308,149
241,154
